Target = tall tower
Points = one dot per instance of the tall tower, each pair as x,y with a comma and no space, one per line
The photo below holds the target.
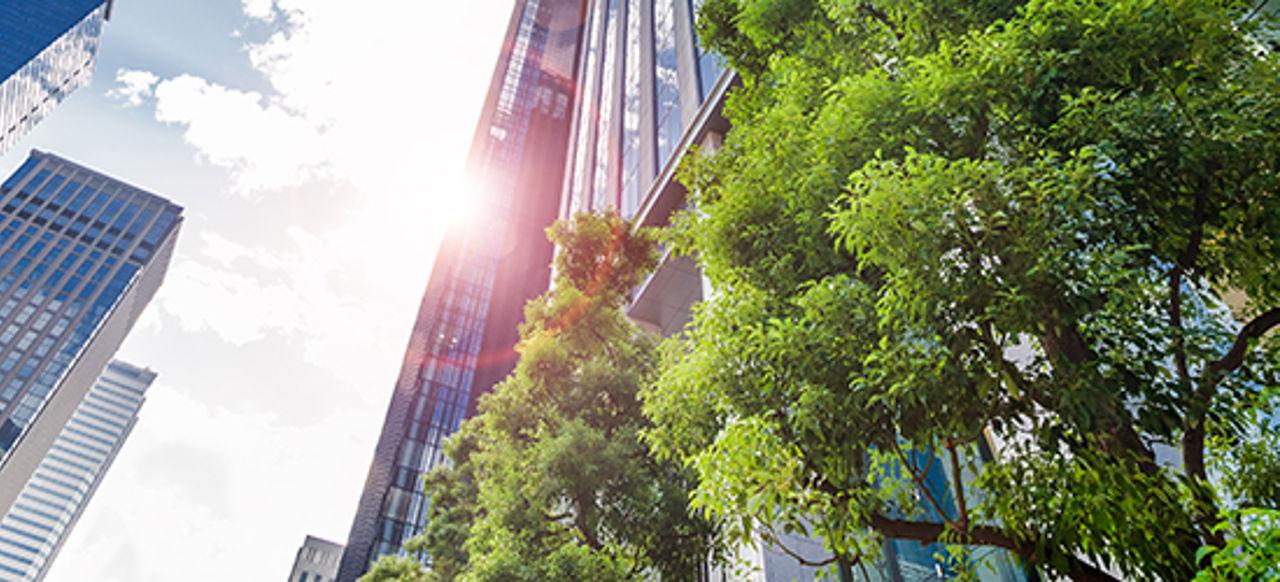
81,254
464,338
317,561
32,532
47,50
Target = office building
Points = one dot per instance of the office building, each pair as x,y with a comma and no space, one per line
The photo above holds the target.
464,338
34,529
81,254
317,561
47,50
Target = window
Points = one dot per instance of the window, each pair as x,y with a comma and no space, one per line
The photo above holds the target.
666,79
608,103
709,68
630,192
586,114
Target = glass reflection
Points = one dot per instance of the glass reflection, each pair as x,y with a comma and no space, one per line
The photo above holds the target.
666,79
630,191
600,201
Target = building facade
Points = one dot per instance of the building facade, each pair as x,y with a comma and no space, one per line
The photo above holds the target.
81,254
317,561
36,526
48,50
463,341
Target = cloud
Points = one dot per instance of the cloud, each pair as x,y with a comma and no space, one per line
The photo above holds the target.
188,495
342,135
264,145
134,86
366,93
238,308
258,9
330,296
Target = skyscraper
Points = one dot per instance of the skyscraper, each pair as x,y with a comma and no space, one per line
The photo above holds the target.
34,529
47,50
464,338
81,254
317,561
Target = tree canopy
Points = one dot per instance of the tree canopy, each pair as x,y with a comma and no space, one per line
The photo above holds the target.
1028,244
550,481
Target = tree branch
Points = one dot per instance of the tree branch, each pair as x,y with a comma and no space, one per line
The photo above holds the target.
1214,372
1234,358
879,16
1185,263
929,533
772,537
958,483
919,479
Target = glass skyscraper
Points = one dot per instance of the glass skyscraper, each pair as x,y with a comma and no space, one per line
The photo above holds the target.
81,254
34,529
463,341
47,50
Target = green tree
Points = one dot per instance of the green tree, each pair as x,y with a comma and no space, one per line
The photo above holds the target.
937,223
550,481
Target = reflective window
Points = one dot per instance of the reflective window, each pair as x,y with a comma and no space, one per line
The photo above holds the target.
48,51
586,113
608,103
666,79
630,190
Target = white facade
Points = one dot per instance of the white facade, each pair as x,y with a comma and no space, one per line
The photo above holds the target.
33,530
317,561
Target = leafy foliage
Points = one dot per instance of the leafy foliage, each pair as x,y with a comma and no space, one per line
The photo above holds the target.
550,480
938,224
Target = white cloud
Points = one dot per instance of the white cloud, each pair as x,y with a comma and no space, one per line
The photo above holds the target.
286,309
134,86
258,9
238,308
264,145
189,495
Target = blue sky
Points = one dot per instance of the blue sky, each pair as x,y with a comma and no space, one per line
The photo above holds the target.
317,146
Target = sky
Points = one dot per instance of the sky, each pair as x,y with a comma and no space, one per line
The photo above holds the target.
318,148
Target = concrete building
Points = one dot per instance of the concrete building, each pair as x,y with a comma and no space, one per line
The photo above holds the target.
317,561
81,254
463,341
34,529
47,50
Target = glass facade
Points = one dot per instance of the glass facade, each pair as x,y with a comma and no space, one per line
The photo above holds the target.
608,84
48,50
709,68
584,141
629,198
33,530
72,243
666,79
463,341
630,119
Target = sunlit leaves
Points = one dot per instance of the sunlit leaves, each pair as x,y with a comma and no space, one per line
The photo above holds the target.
935,222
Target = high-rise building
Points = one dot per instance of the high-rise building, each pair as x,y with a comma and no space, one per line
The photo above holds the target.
81,254
36,526
47,50
464,339
317,561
